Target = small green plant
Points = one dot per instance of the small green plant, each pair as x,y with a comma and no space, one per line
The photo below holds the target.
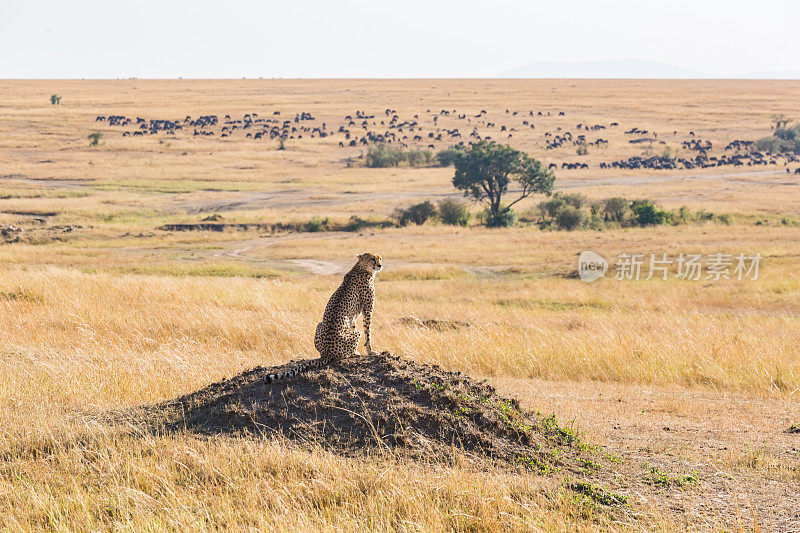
536,464
20,295
655,476
582,148
614,458
598,494
563,435
94,138
55,99
590,466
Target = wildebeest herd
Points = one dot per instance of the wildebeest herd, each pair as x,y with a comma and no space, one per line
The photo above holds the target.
446,128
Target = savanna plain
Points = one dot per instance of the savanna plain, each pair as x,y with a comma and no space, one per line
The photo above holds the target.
139,268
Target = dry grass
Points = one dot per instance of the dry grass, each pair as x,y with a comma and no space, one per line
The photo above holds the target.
117,313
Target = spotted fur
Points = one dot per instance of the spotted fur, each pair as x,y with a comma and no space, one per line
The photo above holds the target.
336,337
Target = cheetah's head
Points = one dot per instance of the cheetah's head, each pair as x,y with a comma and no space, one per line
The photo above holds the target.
370,262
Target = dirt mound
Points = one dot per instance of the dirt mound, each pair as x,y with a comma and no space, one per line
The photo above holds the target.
365,403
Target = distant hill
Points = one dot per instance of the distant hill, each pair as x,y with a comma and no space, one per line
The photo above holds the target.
775,75
616,68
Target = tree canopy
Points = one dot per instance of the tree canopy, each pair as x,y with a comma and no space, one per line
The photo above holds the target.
485,171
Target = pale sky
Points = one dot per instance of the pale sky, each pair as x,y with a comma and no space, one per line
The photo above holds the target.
373,38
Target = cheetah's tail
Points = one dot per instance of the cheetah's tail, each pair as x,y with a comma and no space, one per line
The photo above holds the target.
296,370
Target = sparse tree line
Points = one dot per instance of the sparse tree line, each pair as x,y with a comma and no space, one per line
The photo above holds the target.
573,211
486,171
386,156
784,138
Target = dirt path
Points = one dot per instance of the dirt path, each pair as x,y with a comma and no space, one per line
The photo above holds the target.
299,198
244,251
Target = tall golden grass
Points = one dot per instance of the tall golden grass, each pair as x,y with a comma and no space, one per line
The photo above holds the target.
117,313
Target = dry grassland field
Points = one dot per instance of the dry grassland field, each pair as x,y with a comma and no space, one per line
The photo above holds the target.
150,266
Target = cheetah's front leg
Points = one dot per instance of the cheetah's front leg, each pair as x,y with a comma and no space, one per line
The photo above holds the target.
369,305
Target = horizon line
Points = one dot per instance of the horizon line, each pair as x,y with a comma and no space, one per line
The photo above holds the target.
400,78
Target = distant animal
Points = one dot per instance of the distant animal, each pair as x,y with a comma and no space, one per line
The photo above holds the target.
336,336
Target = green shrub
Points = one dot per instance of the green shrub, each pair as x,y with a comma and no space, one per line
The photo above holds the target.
552,206
454,213
317,224
615,209
449,156
94,138
356,223
417,157
682,215
703,216
383,156
569,218
784,139
505,218
647,214
415,214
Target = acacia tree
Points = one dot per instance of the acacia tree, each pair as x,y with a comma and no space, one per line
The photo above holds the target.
485,171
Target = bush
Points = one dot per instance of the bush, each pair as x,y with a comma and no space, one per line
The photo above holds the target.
356,223
418,157
777,145
415,214
94,138
449,156
550,208
647,214
505,218
569,218
582,149
317,224
615,209
454,213
784,139
383,156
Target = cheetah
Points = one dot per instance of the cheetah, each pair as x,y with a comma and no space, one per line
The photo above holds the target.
336,337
